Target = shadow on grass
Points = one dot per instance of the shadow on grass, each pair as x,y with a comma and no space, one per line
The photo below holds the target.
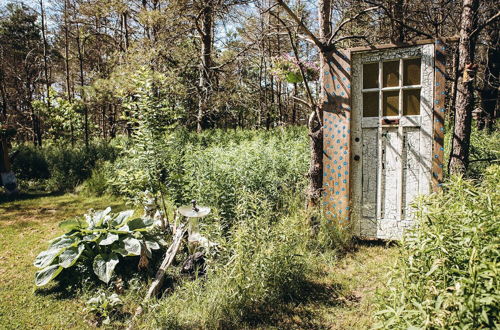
299,311
58,291
374,242
4,198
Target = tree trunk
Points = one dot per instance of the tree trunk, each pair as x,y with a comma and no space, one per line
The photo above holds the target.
454,83
45,60
205,64
315,174
82,84
125,27
397,30
489,92
459,158
3,98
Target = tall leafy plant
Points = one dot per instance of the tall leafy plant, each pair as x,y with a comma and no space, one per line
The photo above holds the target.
149,152
449,275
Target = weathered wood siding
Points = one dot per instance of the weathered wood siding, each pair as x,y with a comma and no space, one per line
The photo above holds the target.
438,113
336,140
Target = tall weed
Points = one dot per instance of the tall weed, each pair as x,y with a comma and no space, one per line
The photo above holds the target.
449,275
261,264
271,166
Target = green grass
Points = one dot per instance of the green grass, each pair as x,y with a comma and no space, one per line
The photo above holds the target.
25,227
341,291
338,293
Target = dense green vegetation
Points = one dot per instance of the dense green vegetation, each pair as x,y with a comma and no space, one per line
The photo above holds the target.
253,180
155,103
58,166
448,276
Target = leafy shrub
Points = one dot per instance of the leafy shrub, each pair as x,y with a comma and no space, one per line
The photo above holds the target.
97,184
216,167
97,239
271,167
59,167
29,163
261,263
485,149
449,274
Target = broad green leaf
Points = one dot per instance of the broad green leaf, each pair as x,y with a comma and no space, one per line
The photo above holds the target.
104,266
63,242
152,245
91,237
137,224
148,221
96,219
45,275
102,217
121,250
46,257
70,224
132,246
110,239
122,217
70,256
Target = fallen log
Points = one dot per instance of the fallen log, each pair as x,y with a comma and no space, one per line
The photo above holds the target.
160,274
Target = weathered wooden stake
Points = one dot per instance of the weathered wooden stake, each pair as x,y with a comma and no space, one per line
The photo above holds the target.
160,274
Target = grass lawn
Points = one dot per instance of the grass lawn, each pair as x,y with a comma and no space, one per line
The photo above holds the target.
340,293
25,227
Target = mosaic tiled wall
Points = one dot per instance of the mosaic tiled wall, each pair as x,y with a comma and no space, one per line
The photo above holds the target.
336,138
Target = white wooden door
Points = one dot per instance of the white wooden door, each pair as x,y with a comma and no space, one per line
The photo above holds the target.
391,137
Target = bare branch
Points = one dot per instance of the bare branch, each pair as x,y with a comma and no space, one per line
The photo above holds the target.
349,37
296,54
235,57
355,17
392,18
485,24
306,38
311,35
303,102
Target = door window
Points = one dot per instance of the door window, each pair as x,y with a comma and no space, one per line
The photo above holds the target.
392,88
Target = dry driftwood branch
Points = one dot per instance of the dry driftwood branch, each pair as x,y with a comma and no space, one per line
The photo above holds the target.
160,274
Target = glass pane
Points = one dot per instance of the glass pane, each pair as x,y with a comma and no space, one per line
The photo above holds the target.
391,103
411,72
370,104
370,75
391,74
411,102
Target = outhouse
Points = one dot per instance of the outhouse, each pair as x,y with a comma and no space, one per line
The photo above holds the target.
383,134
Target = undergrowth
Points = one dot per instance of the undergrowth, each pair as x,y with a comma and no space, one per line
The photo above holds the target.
449,274
58,166
262,264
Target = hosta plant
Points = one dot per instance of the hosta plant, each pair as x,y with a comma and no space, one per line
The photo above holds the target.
100,239
103,307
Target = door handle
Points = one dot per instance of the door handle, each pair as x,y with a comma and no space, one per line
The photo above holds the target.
390,122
